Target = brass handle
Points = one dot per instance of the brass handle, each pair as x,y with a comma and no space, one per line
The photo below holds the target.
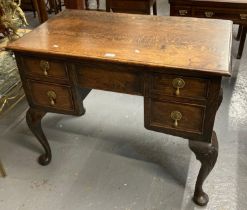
45,66
176,116
178,83
52,97
183,12
243,16
209,14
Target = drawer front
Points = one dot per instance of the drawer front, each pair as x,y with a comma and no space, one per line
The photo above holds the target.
45,68
179,86
51,96
110,77
184,11
175,116
229,14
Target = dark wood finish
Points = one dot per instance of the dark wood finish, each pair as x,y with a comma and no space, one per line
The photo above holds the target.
110,76
2,170
83,93
28,5
74,4
227,9
40,7
194,88
198,114
56,68
240,30
160,116
41,10
130,59
242,42
207,154
55,6
132,6
190,54
234,10
62,101
34,117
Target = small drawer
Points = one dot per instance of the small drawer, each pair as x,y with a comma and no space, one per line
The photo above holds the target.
184,11
175,116
45,68
217,13
51,96
179,86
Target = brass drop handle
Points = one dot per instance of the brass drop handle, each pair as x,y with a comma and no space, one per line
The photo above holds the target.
209,14
243,16
52,97
178,83
176,116
183,12
45,66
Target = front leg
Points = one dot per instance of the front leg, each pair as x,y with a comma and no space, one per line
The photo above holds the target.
2,170
34,118
207,154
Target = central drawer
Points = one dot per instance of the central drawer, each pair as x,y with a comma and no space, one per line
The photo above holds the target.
110,77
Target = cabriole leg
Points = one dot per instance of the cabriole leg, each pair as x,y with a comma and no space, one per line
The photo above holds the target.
207,154
34,118
242,42
240,30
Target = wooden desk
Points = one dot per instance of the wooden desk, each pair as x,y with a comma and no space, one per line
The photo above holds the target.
234,10
173,62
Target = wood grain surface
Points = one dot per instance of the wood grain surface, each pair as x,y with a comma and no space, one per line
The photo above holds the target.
186,43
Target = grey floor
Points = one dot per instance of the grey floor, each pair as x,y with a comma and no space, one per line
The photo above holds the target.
106,160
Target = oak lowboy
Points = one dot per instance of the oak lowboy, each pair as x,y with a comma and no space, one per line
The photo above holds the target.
172,62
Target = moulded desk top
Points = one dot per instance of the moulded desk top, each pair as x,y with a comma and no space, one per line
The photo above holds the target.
154,41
